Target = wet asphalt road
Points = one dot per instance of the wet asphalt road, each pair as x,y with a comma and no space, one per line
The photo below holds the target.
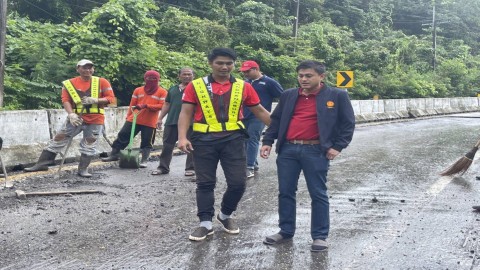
389,210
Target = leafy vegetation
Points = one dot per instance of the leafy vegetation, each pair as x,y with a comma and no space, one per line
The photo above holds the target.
387,43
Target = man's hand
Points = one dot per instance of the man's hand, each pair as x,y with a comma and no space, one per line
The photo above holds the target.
185,145
140,106
265,151
74,119
332,153
89,100
159,124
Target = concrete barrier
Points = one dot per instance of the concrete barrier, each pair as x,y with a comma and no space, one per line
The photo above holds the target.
391,109
26,133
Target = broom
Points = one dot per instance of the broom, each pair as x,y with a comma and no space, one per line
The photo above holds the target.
462,164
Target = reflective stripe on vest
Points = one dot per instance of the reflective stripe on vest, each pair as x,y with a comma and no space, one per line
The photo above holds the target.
212,124
95,90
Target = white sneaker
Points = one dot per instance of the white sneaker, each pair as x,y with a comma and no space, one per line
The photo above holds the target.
250,173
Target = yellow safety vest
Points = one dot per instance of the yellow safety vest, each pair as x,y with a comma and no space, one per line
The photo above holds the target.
95,91
212,124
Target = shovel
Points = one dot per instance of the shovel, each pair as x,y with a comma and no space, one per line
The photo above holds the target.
64,154
129,158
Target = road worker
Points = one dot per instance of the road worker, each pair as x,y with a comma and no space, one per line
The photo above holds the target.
84,98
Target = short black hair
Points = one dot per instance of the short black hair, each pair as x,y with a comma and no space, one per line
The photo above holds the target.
315,65
216,52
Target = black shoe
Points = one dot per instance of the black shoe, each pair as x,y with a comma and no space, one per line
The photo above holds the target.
319,245
200,234
159,172
275,239
476,208
478,177
229,225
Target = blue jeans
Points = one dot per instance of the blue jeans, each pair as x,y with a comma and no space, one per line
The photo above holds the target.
310,159
254,128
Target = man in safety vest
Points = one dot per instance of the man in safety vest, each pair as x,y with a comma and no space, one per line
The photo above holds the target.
84,98
215,103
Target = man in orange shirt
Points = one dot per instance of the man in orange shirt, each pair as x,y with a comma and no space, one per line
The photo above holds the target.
83,98
147,101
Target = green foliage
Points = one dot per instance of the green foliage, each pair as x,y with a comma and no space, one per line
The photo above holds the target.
55,11
400,85
271,65
387,43
182,32
119,38
253,24
38,64
328,42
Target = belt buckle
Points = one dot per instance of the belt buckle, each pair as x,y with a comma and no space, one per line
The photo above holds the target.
298,141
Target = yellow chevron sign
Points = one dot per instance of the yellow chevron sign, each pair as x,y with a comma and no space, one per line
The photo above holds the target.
345,79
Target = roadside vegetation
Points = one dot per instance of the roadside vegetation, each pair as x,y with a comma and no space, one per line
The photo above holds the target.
397,48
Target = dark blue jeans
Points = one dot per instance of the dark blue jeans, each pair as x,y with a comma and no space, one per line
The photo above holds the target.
254,129
231,155
310,159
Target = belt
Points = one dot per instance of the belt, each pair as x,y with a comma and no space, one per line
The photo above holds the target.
304,141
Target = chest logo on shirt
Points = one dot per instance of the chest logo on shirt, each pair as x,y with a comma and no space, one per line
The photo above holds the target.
330,104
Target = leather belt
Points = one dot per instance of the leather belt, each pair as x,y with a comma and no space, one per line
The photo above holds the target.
304,141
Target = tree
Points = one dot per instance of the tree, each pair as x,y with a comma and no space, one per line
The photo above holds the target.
253,25
120,38
182,32
36,64
54,11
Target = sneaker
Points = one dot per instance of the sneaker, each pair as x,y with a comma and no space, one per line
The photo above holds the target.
319,245
250,173
229,225
476,208
200,234
256,168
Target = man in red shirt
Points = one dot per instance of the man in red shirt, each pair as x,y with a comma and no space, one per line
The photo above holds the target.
215,103
83,98
312,124
147,101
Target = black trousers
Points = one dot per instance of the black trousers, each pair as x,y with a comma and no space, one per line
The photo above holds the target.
123,137
232,157
170,137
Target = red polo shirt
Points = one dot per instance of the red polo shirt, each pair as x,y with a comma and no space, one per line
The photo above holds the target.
304,124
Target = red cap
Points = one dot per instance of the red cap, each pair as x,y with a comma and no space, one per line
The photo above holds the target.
248,65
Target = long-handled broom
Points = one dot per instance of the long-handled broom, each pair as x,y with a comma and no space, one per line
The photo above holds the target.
462,164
